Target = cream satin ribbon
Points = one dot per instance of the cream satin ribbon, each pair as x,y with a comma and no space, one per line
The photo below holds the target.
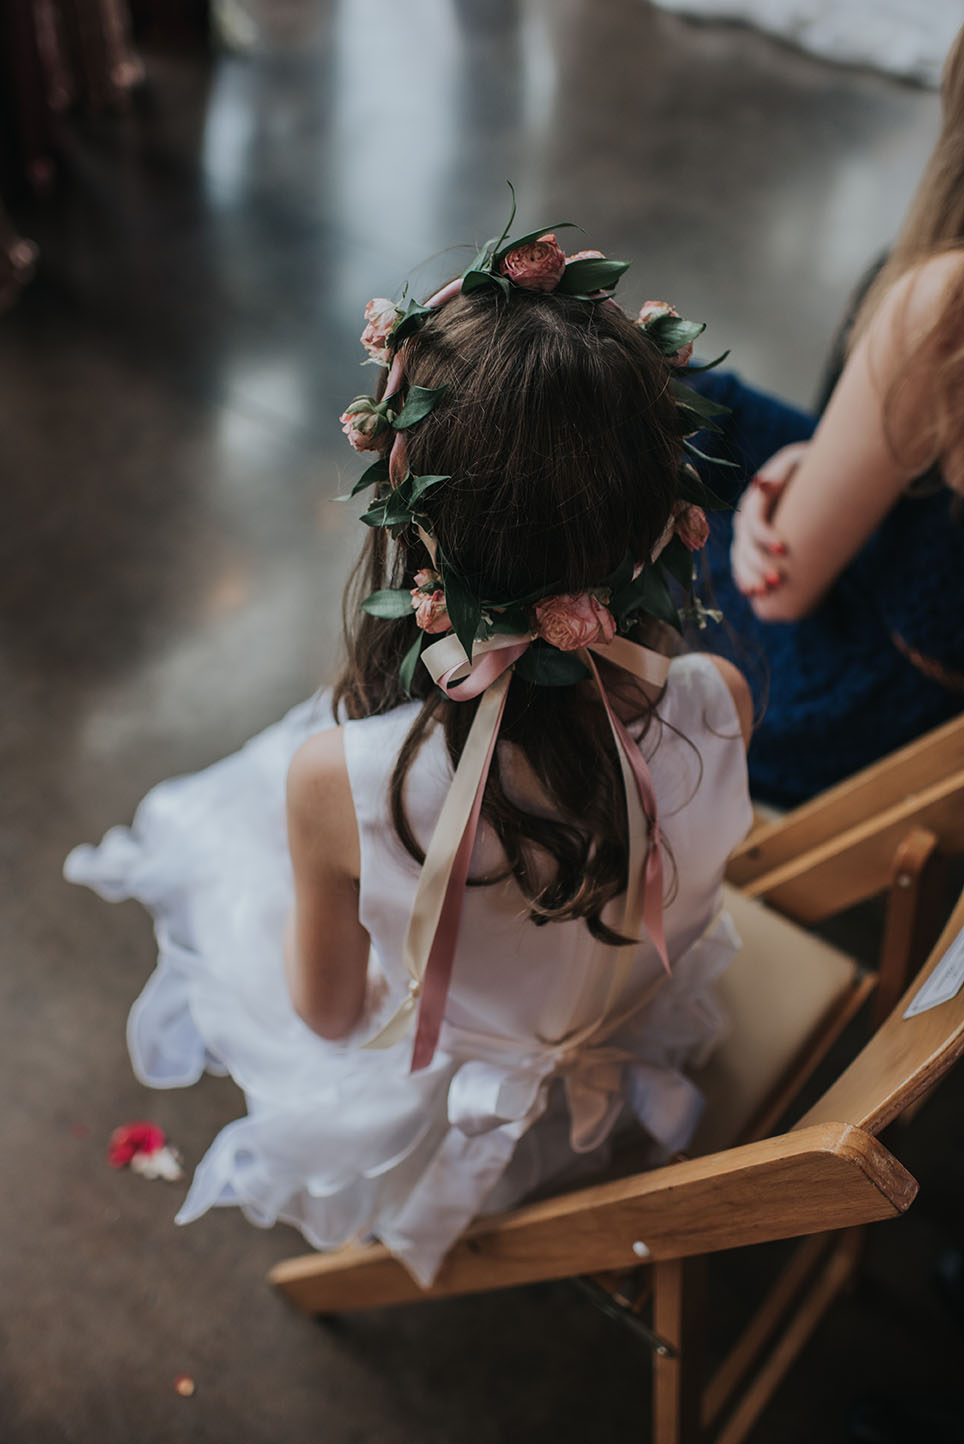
430,940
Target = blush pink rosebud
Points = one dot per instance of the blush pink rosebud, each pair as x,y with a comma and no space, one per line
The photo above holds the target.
692,528
651,311
382,317
366,424
428,602
537,266
574,620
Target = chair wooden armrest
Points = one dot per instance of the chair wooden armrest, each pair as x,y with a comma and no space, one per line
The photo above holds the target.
905,1057
829,1176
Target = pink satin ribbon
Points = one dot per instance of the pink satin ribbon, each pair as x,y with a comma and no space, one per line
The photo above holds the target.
438,968
478,675
653,867
482,673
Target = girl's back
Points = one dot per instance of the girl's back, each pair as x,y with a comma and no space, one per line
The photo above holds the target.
344,1142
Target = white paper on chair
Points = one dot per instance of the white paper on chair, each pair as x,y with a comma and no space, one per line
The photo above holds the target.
944,982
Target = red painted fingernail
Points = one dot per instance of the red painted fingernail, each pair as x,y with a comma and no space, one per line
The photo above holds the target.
778,549
772,579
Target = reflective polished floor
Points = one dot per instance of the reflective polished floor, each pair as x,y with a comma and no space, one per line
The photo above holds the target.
171,572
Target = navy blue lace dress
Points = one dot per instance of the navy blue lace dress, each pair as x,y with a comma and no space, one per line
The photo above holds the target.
878,662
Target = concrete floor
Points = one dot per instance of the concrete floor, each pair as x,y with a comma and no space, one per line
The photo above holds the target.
169,582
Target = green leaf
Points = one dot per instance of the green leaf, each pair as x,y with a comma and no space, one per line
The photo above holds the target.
464,609
672,332
483,256
510,622
414,316
398,506
693,401
644,593
517,241
476,280
389,603
693,488
378,471
677,559
418,404
406,672
628,598
582,277
375,515
715,460
508,225
548,667
696,422
708,365
419,485
653,596
622,575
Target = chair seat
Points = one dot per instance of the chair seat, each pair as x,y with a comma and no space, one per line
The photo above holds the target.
781,991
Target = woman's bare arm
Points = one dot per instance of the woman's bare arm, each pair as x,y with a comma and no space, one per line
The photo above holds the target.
326,947
849,476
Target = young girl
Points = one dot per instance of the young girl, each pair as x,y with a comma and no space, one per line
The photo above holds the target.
497,912
847,554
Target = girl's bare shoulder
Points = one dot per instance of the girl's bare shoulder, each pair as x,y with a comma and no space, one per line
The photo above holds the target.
321,814
739,689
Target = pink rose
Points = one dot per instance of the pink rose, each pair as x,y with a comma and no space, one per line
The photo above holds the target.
366,424
382,318
692,528
651,311
537,266
428,602
586,256
573,620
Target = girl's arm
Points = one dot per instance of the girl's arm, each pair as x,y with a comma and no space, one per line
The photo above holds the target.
326,947
848,477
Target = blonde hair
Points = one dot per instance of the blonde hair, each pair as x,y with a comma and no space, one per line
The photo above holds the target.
934,225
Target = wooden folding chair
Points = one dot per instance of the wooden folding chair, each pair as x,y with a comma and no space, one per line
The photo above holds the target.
790,995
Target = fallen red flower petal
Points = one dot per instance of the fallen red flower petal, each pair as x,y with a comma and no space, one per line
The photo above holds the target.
131,1138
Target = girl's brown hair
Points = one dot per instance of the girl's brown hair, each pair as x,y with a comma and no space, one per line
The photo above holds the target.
562,444
934,224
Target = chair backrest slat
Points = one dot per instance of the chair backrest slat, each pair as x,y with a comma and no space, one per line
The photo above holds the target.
906,1056
856,864
913,769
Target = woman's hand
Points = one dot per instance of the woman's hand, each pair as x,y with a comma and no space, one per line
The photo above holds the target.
757,545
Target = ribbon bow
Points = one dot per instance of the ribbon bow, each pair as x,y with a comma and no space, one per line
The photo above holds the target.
429,949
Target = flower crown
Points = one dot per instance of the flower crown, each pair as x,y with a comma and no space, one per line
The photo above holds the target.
557,625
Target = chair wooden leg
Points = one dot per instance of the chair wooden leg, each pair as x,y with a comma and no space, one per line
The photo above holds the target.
679,1298
837,1269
